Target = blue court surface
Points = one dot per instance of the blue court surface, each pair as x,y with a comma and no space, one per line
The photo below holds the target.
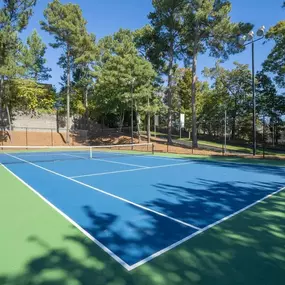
136,207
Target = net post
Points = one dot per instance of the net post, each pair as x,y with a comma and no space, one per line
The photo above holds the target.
90,152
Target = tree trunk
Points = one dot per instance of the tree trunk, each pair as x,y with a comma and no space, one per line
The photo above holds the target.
234,127
276,134
148,122
103,123
273,135
138,122
86,115
193,101
68,95
169,95
122,118
9,118
1,101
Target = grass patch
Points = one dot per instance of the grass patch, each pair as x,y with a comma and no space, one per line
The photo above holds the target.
232,147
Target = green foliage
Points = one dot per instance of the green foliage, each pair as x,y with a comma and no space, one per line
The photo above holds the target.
166,26
65,23
270,104
14,16
266,94
100,80
119,64
148,44
182,95
161,43
208,26
34,60
275,61
232,89
30,96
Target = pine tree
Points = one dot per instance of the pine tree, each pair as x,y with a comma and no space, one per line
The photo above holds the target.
14,17
34,58
207,26
270,104
119,70
166,46
66,23
275,61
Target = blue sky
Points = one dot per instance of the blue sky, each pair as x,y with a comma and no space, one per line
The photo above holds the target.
105,17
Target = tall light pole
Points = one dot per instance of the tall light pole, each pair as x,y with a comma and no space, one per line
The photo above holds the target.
247,40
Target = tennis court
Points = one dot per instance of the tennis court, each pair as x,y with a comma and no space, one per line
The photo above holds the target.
136,205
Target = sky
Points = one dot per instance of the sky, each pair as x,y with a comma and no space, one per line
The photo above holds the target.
106,17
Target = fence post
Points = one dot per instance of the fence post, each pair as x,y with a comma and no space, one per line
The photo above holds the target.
27,143
2,137
51,137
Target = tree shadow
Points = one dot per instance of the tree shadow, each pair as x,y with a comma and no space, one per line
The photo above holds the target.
136,238
275,167
247,249
252,167
206,201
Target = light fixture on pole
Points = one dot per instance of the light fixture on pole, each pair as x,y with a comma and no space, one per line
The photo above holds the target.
244,41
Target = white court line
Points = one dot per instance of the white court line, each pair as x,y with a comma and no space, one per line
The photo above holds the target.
49,154
107,173
99,159
123,163
143,155
107,193
163,158
107,250
131,170
201,231
125,265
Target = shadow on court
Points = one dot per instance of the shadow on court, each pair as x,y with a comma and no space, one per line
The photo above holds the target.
278,171
206,201
248,249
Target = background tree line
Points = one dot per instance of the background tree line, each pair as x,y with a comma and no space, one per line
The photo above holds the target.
153,69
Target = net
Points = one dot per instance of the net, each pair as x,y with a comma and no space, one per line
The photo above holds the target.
36,154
